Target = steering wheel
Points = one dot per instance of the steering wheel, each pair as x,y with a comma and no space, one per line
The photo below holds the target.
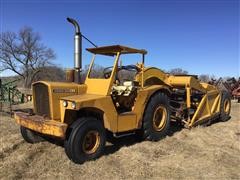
130,68
107,72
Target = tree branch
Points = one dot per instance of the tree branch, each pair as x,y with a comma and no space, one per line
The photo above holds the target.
24,51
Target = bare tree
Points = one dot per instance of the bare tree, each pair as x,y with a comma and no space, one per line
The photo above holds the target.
208,78
50,73
204,78
178,71
24,54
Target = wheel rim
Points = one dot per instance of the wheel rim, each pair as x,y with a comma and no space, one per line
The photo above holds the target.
91,142
159,118
226,106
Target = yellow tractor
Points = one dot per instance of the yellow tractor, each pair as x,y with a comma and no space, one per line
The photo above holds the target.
82,114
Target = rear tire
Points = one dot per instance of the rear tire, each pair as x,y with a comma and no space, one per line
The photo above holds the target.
156,120
225,107
86,140
30,136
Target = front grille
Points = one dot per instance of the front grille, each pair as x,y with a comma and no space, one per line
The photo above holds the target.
41,99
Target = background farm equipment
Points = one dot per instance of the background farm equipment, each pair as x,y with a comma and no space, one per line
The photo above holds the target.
234,87
11,95
231,85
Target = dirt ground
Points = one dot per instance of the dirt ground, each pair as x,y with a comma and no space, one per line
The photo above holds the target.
211,152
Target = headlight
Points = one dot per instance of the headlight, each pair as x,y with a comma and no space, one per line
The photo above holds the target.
65,103
29,98
73,105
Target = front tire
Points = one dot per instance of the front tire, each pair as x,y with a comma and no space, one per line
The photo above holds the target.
30,136
86,141
156,120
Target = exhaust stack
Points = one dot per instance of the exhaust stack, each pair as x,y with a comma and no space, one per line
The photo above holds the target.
77,50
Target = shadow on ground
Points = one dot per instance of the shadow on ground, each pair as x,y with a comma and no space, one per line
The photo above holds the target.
130,140
115,144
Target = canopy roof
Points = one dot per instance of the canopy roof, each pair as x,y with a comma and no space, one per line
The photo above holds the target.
113,50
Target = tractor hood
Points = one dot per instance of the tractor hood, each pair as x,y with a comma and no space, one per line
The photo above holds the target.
47,95
85,100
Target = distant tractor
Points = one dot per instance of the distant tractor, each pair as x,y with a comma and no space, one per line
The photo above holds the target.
83,114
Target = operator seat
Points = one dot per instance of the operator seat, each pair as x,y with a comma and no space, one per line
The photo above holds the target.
124,89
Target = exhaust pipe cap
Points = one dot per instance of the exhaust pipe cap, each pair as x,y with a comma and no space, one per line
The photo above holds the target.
74,22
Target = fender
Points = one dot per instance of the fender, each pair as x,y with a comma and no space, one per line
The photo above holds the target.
101,102
143,97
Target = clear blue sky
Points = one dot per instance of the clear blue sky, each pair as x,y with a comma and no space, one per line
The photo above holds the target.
200,36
